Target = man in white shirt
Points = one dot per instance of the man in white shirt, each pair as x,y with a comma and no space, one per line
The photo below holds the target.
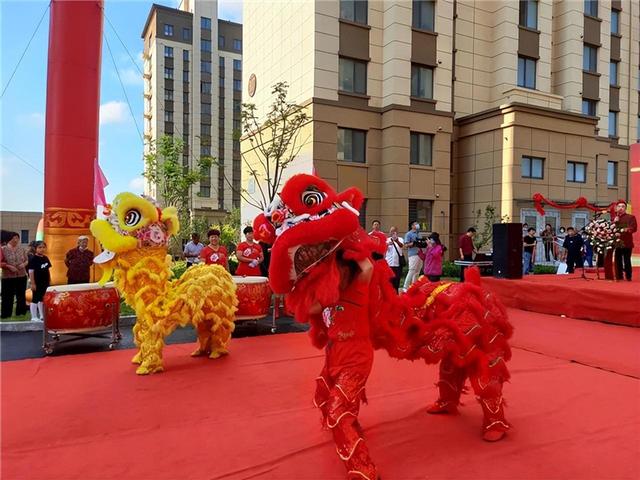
192,250
394,256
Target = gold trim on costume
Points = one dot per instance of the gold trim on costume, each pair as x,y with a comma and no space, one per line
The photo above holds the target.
436,291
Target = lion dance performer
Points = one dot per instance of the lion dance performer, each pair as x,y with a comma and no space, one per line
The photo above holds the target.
135,236
325,263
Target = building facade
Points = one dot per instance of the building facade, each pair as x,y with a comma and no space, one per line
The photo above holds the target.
436,109
24,224
193,91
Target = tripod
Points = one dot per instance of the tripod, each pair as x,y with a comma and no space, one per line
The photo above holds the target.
583,276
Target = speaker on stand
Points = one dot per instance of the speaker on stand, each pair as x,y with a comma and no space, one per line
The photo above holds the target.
507,250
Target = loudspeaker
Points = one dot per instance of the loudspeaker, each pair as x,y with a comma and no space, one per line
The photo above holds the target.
507,250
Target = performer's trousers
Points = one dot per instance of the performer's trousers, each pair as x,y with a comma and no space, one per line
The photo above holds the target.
340,389
623,263
488,390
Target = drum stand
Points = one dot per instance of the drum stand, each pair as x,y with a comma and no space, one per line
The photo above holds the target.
51,338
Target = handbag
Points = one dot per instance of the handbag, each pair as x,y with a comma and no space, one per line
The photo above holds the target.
401,260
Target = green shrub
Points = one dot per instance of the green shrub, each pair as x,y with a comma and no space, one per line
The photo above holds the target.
450,269
544,269
178,268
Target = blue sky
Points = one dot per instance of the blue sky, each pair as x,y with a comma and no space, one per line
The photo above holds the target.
23,105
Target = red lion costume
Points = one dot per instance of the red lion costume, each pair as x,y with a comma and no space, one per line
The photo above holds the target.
323,260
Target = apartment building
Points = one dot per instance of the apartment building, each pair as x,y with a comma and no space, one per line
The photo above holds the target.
193,91
435,109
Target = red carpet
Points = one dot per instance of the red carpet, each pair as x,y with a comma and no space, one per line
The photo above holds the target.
250,416
602,300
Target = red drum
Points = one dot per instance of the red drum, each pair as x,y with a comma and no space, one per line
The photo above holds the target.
254,297
82,306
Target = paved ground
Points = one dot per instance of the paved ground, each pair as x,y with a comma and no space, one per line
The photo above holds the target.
20,345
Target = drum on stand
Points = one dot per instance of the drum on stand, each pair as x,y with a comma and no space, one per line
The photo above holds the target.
81,310
254,298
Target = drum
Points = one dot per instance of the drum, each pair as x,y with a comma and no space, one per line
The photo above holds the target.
254,297
81,306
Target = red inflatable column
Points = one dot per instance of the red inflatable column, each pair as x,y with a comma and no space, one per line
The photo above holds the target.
634,187
71,133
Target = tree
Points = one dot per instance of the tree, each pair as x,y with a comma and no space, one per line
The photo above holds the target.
485,236
163,167
274,144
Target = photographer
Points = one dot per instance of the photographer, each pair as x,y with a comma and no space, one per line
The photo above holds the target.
394,257
413,242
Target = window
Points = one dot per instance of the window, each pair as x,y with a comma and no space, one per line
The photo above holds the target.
612,174
221,82
236,145
576,172
613,73
168,52
168,94
168,116
590,58
168,30
237,44
221,60
237,85
353,76
185,97
185,55
205,45
589,107
205,87
205,130
424,14
237,105
205,23
421,81
529,13
613,124
237,64
168,73
421,150
354,10
24,236
185,119
236,124
591,8
205,191
185,76
205,150
220,41
532,167
205,66
186,34
421,211
526,72
205,108
351,145
615,22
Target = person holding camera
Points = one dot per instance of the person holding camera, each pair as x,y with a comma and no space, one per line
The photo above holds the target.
412,242
394,256
432,257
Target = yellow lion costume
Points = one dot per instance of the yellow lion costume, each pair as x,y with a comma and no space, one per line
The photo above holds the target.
134,237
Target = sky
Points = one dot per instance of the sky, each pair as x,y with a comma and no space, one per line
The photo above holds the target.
22,107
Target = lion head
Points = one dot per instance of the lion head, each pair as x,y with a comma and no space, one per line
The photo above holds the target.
306,224
132,222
